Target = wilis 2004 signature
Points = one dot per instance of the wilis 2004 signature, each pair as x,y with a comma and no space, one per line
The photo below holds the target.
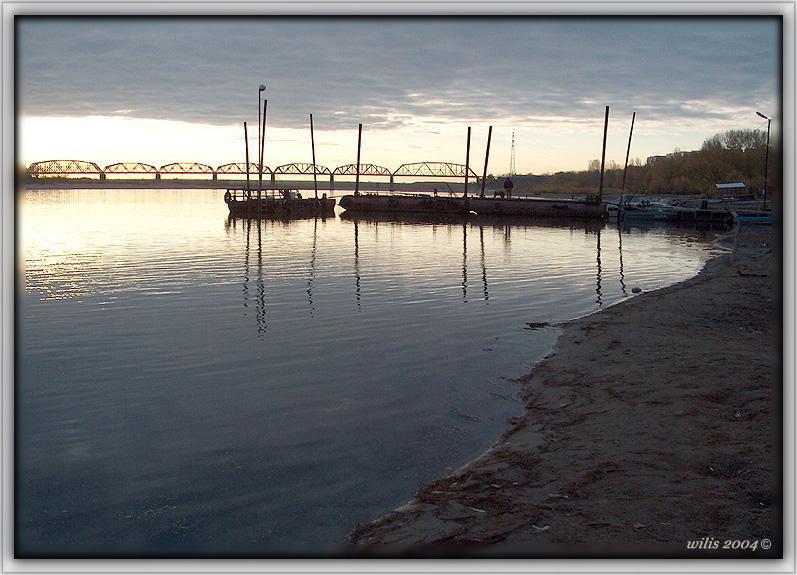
711,543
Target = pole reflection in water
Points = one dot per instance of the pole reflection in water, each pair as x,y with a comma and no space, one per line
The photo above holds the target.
599,299
484,268
465,262
357,263
261,288
246,267
620,248
312,269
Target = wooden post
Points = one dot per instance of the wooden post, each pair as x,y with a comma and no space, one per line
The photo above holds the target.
259,91
312,144
246,143
603,154
486,157
766,167
262,132
359,145
627,152
467,163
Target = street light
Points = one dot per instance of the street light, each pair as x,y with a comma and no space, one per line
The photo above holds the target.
766,160
260,90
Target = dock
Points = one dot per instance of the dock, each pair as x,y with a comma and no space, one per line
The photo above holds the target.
478,205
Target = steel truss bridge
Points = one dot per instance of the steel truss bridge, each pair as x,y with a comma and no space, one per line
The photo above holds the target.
67,168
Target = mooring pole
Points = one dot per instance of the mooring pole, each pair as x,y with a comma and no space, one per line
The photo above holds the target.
246,143
766,167
467,163
603,154
359,145
627,152
260,91
312,144
262,145
486,157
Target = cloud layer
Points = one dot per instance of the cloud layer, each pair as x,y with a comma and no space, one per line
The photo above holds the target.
399,72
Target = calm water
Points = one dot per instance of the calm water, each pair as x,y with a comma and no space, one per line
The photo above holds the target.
190,384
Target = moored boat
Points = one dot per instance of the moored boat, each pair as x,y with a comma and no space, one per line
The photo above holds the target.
276,203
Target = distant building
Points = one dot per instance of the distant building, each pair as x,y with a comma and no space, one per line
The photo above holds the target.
679,154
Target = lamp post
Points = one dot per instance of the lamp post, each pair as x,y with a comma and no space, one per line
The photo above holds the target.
766,160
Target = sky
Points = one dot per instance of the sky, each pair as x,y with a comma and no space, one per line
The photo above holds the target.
166,90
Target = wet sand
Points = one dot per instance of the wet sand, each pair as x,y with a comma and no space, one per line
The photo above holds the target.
651,423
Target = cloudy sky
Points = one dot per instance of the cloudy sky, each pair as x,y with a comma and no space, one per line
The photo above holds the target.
164,90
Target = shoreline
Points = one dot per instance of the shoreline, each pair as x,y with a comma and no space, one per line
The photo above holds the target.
650,424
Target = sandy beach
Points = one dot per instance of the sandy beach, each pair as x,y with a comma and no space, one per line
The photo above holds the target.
652,424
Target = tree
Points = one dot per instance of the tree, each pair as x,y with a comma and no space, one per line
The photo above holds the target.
739,140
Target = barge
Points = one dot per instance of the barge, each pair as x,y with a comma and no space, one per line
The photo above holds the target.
276,203
477,205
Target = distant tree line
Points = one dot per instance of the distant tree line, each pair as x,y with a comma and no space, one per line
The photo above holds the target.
731,156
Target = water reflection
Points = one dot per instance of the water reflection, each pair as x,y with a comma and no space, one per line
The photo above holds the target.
484,268
357,265
311,275
246,264
620,249
261,286
503,225
599,299
450,220
465,262
147,433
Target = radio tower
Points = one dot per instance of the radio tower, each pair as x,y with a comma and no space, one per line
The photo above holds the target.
512,157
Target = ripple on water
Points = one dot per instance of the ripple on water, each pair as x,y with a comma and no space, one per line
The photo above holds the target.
194,384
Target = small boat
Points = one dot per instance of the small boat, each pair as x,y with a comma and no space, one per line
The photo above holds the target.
639,207
754,217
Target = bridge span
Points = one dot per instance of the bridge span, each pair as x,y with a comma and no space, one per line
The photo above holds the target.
71,168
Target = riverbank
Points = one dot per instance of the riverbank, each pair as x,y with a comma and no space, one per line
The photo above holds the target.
651,424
